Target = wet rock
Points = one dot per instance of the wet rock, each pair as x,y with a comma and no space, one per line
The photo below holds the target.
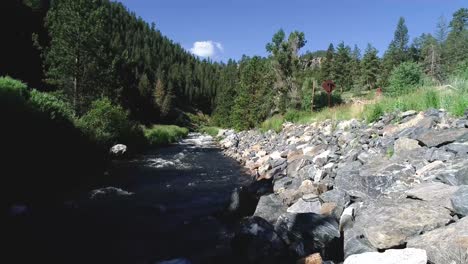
445,245
308,233
459,200
437,138
270,207
391,256
256,241
435,193
108,192
118,150
390,223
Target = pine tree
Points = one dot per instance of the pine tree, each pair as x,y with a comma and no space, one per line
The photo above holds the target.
355,66
342,66
456,48
370,67
327,70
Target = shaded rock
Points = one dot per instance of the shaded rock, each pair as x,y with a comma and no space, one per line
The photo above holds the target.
390,223
458,148
459,200
305,206
242,202
308,233
404,144
407,114
255,241
391,256
435,193
445,245
270,207
442,155
437,138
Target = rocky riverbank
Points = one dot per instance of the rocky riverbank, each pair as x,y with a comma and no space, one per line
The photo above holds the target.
342,190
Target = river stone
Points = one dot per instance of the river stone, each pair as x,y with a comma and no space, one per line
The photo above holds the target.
389,223
435,193
404,144
308,233
285,183
460,200
458,148
453,173
255,241
270,207
437,138
391,256
336,196
305,206
445,245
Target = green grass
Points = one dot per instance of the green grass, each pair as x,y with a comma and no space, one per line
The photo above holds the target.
274,123
164,134
212,131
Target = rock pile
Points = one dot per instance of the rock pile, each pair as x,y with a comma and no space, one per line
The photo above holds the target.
347,188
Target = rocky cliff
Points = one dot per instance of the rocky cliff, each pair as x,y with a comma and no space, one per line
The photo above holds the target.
350,188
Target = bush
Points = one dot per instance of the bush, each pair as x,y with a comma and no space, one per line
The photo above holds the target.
212,131
372,113
274,123
405,77
12,92
53,106
108,124
165,134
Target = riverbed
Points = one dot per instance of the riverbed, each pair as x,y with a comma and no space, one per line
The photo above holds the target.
170,206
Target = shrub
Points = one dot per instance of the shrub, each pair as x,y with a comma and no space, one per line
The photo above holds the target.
405,77
373,112
12,92
274,123
165,134
53,106
212,131
109,124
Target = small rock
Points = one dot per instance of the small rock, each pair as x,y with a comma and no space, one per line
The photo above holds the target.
407,113
305,206
311,259
118,150
404,144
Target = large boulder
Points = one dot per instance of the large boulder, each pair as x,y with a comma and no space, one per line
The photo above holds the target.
435,193
386,223
445,245
459,200
391,256
437,138
255,241
270,207
309,233
454,172
405,144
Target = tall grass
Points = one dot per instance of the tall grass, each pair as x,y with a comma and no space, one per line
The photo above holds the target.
274,123
164,134
212,131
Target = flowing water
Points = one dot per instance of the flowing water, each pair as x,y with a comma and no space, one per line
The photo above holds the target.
177,193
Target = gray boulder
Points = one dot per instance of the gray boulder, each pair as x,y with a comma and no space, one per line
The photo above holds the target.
385,224
435,193
445,245
437,138
305,206
453,173
286,183
308,233
460,200
270,207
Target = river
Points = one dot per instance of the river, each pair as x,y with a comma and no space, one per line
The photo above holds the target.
178,193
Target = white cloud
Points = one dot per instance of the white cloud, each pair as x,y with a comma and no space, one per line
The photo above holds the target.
207,48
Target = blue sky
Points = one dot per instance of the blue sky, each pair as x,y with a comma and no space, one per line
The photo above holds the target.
224,29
